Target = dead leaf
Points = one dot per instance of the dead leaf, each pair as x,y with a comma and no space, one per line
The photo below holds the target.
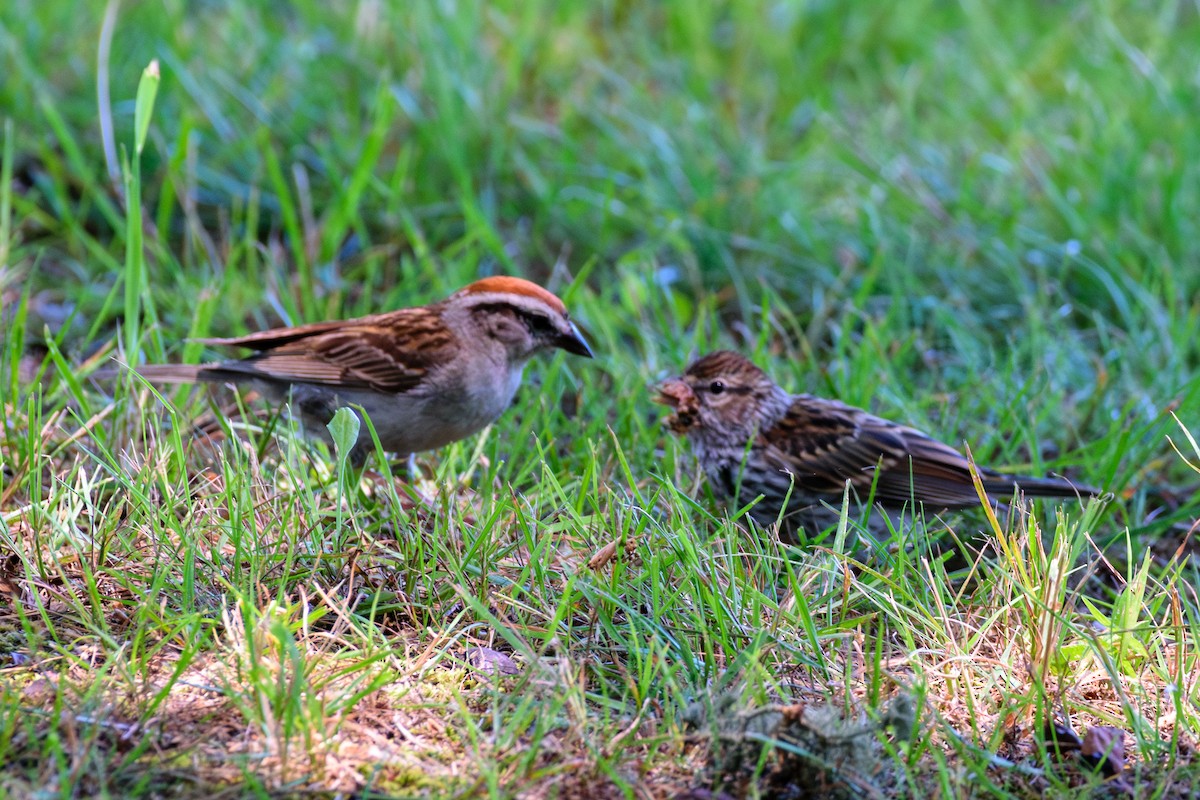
1104,747
604,555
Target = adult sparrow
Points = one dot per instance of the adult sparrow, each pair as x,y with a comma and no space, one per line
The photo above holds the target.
754,438
426,376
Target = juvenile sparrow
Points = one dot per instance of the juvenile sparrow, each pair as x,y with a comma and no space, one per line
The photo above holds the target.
426,376
753,438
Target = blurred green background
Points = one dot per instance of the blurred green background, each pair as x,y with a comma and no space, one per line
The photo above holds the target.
896,198
977,218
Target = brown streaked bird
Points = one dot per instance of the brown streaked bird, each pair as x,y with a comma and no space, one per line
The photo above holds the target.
754,438
426,376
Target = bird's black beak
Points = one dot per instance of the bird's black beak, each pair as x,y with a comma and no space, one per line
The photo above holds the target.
574,342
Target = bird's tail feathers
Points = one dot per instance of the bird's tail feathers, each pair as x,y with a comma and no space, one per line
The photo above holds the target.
1038,487
172,373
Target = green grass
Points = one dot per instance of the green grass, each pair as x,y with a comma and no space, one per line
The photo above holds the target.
982,221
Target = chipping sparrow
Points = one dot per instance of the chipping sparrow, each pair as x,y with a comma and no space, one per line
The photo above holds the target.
753,438
426,376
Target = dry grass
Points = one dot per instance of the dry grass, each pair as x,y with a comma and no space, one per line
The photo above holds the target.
980,223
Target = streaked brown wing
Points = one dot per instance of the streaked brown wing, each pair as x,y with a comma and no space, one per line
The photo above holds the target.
277,337
825,443
386,352
935,473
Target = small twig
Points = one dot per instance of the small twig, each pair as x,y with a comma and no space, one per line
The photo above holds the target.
616,741
995,760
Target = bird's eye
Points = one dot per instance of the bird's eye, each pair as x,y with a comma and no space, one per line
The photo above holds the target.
716,387
539,324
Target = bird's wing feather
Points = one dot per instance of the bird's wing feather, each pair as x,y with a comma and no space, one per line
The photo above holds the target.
278,337
386,352
824,443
